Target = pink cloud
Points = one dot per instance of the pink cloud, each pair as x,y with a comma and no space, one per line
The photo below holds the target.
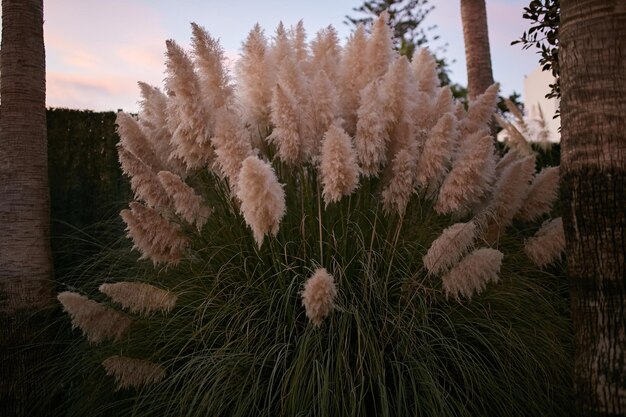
89,92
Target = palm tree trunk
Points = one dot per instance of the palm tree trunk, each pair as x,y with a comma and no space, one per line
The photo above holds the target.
593,112
25,260
476,38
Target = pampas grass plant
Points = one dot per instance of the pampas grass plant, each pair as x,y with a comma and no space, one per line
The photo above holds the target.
303,271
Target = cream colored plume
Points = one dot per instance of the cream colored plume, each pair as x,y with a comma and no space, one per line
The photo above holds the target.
254,82
143,180
397,193
153,236
353,77
325,53
548,244
286,134
542,194
318,296
447,249
262,197
325,102
339,171
132,373
281,48
298,39
430,108
211,69
232,145
133,139
509,158
508,196
380,50
398,106
138,297
187,115
371,134
424,69
97,322
471,176
186,202
435,159
480,112
473,273
515,138
296,84
153,123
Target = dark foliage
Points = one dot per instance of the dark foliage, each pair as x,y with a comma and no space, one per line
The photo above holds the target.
86,182
543,34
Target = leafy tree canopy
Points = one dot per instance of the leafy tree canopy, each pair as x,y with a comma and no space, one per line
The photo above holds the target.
543,34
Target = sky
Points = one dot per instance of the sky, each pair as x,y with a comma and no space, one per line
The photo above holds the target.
97,50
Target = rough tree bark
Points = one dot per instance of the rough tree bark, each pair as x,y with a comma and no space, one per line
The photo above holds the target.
476,39
593,182
25,260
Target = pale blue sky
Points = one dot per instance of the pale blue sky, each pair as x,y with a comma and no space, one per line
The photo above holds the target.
97,50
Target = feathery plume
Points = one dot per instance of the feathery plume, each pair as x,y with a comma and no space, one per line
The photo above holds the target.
138,297
209,62
298,39
133,139
473,273
437,153
380,50
97,322
509,194
444,102
143,181
325,102
480,112
353,77
459,111
318,296
254,83
548,244
326,53
471,175
262,197
397,192
232,145
400,91
186,202
295,83
187,116
282,47
424,68
339,171
447,249
286,135
515,139
371,133
153,236
153,123
509,158
130,372
542,194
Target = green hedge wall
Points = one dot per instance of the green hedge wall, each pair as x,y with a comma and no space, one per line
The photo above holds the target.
87,188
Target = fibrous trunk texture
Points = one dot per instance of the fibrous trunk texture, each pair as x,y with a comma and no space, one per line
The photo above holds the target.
593,184
476,38
25,259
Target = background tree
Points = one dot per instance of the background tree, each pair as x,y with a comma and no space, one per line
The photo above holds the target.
593,110
476,39
25,261
406,17
543,34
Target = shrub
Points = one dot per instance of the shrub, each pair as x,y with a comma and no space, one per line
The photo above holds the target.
338,237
